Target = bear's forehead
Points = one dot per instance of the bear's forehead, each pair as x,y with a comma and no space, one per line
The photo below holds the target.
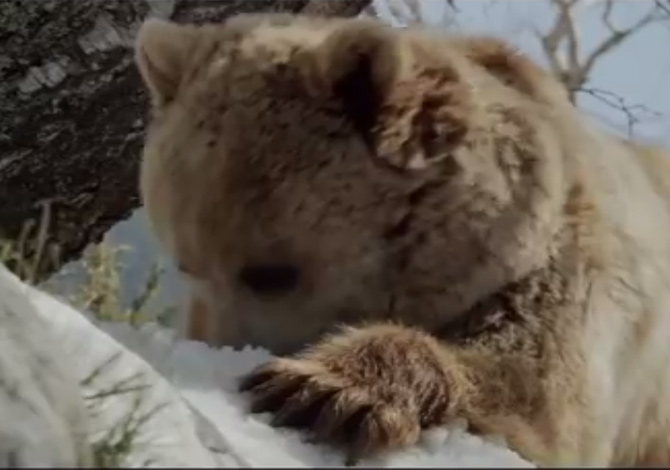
260,63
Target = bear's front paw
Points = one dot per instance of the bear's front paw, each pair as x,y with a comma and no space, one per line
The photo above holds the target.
367,390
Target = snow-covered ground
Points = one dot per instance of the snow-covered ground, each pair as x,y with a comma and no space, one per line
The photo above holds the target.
182,394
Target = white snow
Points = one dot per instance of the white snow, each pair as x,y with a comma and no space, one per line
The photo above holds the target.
201,419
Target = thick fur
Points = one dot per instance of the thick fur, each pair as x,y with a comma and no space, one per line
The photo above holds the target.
495,257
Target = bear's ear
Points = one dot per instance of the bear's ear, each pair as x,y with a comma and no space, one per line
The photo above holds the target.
161,52
409,109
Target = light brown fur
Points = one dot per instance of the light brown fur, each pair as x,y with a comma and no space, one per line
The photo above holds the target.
198,320
440,196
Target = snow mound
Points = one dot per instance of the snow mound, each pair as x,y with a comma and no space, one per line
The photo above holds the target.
42,415
121,390
194,415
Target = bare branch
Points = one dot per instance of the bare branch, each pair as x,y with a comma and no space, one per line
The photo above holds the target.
617,35
414,10
573,40
405,12
663,6
371,10
573,72
551,41
631,112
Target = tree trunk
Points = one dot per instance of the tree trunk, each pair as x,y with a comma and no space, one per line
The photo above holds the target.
72,109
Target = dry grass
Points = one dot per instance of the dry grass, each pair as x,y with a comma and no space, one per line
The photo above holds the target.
112,445
28,253
100,292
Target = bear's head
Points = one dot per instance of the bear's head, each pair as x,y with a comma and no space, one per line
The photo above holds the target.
308,172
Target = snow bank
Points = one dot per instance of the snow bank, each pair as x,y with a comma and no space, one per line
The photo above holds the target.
199,418
100,364
42,414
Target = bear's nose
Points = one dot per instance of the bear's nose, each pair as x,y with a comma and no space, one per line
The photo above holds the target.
269,279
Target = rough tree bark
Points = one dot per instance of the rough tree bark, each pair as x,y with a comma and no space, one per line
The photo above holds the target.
72,111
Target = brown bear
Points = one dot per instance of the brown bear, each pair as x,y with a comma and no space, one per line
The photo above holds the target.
422,226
